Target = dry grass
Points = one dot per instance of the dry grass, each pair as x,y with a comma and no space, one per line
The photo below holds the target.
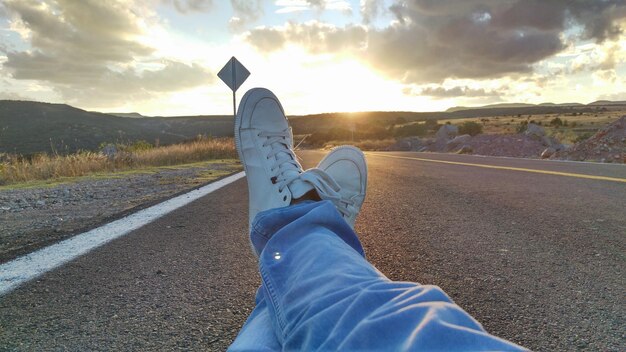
367,144
43,167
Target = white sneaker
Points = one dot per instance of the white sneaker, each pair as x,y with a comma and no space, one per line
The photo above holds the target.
347,166
265,145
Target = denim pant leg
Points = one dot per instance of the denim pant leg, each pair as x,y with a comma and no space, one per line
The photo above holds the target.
319,293
257,334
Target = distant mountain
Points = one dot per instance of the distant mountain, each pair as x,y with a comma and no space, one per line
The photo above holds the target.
512,105
492,106
28,127
561,104
132,115
608,103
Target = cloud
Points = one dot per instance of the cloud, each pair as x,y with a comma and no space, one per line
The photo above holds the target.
92,50
371,9
290,6
245,12
187,6
317,37
605,57
432,40
80,30
316,3
6,95
440,92
621,96
128,86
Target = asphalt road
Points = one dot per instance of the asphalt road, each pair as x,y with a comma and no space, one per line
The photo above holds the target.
536,258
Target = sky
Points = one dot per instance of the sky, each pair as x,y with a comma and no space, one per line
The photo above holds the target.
161,57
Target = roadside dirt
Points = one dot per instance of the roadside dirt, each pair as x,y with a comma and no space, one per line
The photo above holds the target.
608,145
33,217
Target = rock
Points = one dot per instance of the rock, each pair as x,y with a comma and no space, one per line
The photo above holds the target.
110,150
549,141
400,146
406,144
535,131
466,149
548,152
447,132
458,140
40,203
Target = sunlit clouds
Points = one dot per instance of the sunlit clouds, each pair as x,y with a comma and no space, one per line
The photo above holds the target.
160,57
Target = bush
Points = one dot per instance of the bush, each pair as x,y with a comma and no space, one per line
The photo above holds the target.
431,125
415,129
362,131
583,137
471,128
367,144
556,122
399,120
522,127
138,146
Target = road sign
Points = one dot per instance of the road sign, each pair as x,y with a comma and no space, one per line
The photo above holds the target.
233,74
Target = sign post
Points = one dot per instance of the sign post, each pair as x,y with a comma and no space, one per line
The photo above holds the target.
233,74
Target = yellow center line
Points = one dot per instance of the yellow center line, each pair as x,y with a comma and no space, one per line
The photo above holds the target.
568,174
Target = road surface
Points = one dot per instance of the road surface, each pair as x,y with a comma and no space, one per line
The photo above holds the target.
537,258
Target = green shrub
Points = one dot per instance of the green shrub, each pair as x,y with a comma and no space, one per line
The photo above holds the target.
432,125
471,128
415,129
583,136
522,127
399,120
139,146
556,122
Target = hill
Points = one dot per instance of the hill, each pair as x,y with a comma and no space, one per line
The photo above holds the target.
607,103
523,105
492,106
28,127
133,115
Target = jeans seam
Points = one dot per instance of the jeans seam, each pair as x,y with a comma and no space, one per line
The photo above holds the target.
259,229
267,282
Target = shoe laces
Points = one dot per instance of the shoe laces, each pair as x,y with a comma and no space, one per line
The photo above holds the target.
328,189
285,169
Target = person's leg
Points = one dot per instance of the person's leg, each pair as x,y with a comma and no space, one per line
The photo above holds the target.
319,293
347,165
257,334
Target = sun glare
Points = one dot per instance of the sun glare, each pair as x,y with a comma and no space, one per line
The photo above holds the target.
328,83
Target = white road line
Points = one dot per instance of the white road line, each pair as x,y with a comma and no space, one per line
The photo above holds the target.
30,266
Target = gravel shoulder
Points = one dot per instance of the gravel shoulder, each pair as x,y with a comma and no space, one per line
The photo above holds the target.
36,214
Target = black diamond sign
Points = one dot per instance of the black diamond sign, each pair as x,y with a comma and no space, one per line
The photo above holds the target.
233,74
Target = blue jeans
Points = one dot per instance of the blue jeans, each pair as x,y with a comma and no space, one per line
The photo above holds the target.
319,293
